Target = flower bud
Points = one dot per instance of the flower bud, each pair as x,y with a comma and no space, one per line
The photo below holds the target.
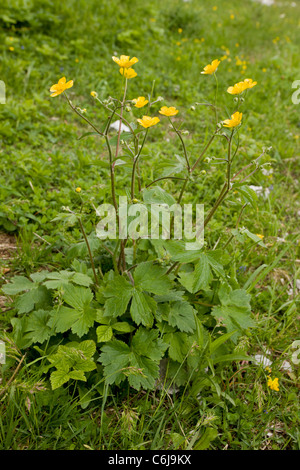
185,132
192,108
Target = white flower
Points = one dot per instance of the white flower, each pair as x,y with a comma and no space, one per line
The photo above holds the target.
259,359
115,125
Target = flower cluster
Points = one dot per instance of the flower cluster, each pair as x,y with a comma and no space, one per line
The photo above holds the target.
273,383
241,86
125,64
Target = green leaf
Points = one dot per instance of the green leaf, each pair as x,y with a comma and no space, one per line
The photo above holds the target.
82,279
157,195
118,293
71,361
124,136
81,317
77,375
178,252
252,236
182,315
178,345
141,308
115,356
248,194
230,358
104,333
77,297
140,363
18,284
168,167
234,311
146,343
58,280
87,134
63,278
37,296
37,326
202,274
59,377
123,327
209,435
219,341
152,278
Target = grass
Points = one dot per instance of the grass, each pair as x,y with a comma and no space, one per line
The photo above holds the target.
42,162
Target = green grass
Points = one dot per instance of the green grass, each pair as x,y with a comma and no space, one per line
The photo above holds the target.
42,162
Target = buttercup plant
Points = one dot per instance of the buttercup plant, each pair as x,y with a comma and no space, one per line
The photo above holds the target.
156,300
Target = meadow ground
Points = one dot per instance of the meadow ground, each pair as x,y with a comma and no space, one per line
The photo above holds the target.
43,162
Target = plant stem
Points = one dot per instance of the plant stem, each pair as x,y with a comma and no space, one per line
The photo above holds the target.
165,178
237,224
121,119
204,151
90,253
183,145
135,163
83,117
216,94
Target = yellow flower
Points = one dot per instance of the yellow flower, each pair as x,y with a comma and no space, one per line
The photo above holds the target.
241,86
264,70
273,384
61,86
232,17
124,61
260,236
179,30
214,8
148,121
140,102
249,83
11,48
94,94
234,121
211,68
236,89
171,111
128,72
78,190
